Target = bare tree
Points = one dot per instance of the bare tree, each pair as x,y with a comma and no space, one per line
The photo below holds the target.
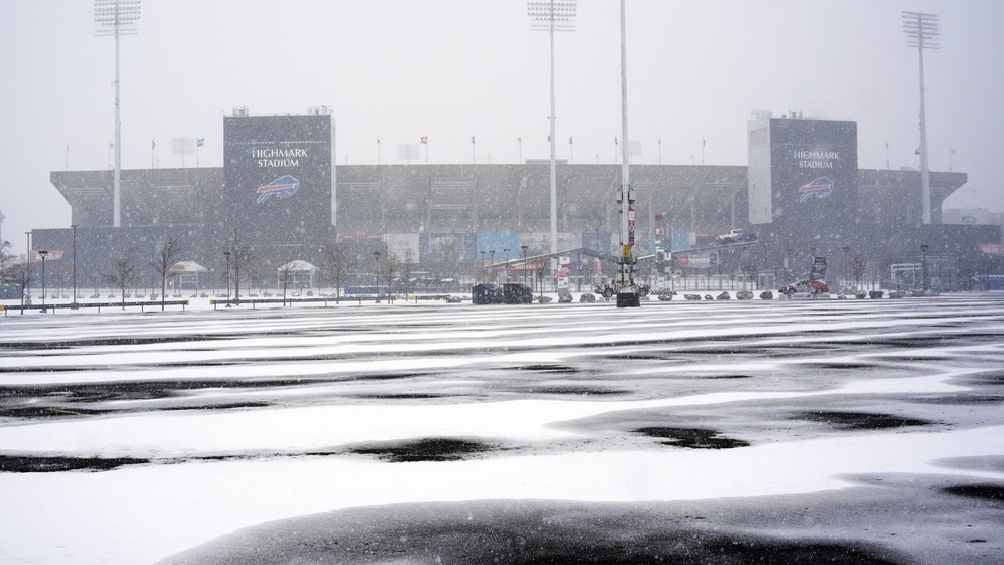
446,259
9,268
123,274
12,272
244,260
165,256
406,266
337,264
390,266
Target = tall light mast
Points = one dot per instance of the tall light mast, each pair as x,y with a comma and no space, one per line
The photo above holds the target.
552,16
923,32
115,18
627,294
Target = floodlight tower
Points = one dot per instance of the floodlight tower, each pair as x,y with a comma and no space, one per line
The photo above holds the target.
923,32
627,293
552,16
115,18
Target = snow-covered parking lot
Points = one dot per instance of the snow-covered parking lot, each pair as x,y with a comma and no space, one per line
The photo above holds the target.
822,426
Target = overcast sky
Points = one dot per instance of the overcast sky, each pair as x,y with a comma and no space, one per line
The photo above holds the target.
452,69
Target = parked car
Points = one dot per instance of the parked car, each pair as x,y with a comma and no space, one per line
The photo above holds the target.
736,235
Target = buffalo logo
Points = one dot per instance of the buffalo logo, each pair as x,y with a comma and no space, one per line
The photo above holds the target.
280,189
820,187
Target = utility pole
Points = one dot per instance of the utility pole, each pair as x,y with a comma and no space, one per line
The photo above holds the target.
627,294
923,32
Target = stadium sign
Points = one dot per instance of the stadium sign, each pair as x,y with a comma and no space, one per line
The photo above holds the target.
272,157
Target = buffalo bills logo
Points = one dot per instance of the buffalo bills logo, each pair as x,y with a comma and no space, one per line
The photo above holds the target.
820,187
280,189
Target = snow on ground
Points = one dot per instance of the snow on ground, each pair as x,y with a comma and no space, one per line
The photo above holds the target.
185,426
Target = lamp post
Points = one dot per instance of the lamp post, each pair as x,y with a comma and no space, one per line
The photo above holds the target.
923,32
847,266
376,267
552,16
226,255
74,226
42,253
116,18
237,271
923,267
506,250
26,275
523,272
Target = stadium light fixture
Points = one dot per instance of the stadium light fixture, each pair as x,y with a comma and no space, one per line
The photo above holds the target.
552,16
115,18
923,31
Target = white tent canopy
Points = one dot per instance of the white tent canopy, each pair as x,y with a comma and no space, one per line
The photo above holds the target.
298,265
297,274
186,273
186,267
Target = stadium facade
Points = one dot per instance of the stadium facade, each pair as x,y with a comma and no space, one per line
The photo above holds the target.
280,197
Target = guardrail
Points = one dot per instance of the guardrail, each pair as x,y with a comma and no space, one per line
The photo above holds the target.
45,308
324,300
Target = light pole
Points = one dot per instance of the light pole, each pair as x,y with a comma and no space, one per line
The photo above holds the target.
26,275
376,267
226,255
523,273
506,250
923,267
116,18
627,295
42,253
847,266
74,226
923,32
552,15
237,271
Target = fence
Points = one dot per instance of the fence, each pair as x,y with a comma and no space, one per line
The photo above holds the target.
46,308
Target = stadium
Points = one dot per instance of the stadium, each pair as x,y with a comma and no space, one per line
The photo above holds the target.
279,198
